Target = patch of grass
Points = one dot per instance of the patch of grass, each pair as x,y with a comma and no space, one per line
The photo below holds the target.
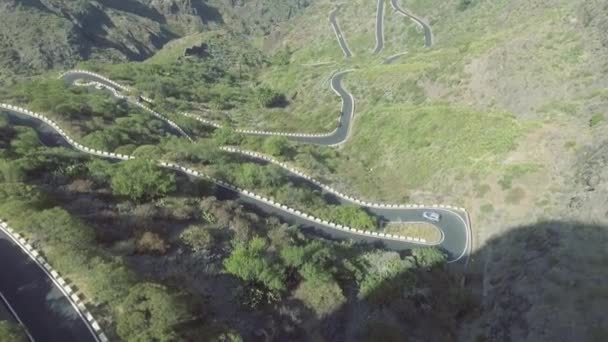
482,190
487,208
175,49
596,119
571,144
418,142
513,172
425,231
515,195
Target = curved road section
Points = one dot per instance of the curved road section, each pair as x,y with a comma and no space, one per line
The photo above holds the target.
36,300
428,33
453,225
379,27
337,137
334,23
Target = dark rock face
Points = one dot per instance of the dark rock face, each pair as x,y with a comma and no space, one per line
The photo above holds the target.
36,35
200,51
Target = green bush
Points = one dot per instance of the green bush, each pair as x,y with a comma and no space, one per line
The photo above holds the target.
429,257
251,262
267,97
349,215
596,119
324,297
11,332
277,146
150,313
150,182
196,237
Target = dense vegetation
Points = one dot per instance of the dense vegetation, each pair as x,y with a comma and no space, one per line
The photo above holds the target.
11,332
491,118
272,264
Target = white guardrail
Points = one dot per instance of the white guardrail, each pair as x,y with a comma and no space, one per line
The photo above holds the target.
198,174
72,295
272,160
196,117
329,189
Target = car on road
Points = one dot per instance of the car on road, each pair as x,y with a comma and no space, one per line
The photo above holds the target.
431,216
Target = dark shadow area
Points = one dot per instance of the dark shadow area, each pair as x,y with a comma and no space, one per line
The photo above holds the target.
539,282
33,4
543,282
206,12
135,7
42,307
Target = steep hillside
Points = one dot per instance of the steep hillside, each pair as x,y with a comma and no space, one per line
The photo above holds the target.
37,35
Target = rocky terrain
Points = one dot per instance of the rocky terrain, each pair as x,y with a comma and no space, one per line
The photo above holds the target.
37,35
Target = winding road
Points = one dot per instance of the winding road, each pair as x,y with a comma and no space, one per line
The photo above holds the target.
428,33
334,24
379,27
37,301
49,315
453,225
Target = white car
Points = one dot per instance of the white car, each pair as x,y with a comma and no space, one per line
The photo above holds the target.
431,216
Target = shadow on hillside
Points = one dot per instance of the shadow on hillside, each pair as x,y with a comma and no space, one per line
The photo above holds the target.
135,7
543,282
207,13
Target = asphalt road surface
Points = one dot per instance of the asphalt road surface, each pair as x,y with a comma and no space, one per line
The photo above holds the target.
41,306
453,224
428,33
338,32
379,27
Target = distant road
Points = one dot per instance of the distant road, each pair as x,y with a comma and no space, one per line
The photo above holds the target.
379,27
39,304
391,59
334,23
336,137
428,33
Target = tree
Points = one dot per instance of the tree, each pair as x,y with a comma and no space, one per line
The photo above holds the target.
151,243
267,97
141,179
323,297
276,146
250,262
350,215
226,136
150,313
465,4
198,238
429,257
250,175
109,281
11,332
283,56
26,141
11,171
100,170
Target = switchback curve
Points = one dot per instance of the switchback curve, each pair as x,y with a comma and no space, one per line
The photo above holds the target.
379,27
428,32
334,24
454,224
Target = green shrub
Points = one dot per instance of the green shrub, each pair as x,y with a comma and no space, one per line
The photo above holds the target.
11,332
596,119
150,313
196,237
150,182
349,215
276,146
267,97
250,262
